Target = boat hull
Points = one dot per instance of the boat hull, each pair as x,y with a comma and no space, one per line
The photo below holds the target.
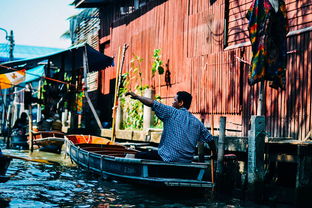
110,161
4,164
49,141
19,142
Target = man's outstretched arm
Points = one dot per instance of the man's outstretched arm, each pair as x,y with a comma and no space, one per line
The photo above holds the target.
145,100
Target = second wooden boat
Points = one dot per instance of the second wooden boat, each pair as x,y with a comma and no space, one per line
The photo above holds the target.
101,156
50,141
4,164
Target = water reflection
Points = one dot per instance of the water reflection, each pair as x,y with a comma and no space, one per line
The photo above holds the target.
66,185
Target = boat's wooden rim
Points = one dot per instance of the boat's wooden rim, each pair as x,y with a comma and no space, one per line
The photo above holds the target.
47,132
50,139
140,161
166,181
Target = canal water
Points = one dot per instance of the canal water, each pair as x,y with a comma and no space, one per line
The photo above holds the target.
66,185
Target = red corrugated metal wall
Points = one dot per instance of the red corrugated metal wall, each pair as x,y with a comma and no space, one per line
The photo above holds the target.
190,35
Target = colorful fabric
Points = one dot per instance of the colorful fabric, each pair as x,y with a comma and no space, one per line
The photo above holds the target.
181,133
8,80
267,33
79,103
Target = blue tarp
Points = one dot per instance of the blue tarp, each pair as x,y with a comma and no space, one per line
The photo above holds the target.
21,52
69,59
34,74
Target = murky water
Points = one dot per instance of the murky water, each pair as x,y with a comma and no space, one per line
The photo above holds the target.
66,185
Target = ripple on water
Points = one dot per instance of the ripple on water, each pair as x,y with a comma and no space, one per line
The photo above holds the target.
29,203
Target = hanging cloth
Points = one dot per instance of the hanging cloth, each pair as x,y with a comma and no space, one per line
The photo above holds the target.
274,4
11,79
267,33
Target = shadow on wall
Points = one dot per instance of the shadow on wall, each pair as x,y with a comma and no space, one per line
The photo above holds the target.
212,2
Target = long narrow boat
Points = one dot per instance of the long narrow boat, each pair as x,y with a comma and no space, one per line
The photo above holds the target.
4,164
50,141
102,156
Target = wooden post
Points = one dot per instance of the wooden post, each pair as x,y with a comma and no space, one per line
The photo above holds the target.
119,115
220,181
85,74
303,176
30,134
117,85
221,139
256,142
115,96
260,110
3,119
212,165
15,110
8,124
147,115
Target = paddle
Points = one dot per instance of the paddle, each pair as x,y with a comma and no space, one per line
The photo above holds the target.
33,160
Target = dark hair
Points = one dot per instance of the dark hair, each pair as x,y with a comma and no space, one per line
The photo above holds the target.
24,115
186,98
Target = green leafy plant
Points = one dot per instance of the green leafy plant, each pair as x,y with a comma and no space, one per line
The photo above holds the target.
157,63
157,123
133,110
157,66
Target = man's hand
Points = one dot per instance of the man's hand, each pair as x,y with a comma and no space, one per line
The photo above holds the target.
132,94
144,100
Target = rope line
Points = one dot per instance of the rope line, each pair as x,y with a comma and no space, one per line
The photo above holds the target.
44,77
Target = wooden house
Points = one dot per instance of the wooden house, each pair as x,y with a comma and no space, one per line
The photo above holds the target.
206,51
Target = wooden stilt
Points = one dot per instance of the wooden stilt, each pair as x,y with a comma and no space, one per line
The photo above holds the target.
260,110
117,85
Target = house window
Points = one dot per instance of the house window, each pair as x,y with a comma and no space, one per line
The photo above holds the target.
236,23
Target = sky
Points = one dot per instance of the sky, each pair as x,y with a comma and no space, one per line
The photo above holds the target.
36,22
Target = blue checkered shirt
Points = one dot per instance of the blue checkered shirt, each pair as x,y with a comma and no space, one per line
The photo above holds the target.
181,133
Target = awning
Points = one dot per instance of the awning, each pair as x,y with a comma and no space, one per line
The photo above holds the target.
69,59
34,74
92,3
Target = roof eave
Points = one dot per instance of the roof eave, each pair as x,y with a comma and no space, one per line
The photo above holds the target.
92,3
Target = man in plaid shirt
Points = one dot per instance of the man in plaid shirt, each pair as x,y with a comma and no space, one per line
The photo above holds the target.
181,132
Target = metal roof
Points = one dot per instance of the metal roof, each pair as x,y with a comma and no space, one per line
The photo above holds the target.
71,58
25,51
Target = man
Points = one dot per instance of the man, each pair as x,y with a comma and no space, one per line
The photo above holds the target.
181,130
21,123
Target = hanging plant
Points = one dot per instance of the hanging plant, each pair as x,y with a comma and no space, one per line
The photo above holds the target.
157,63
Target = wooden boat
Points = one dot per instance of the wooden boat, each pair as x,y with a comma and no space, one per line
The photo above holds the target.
4,164
101,156
50,141
19,142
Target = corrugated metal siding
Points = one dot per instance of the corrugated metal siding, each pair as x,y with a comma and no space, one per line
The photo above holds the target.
190,36
87,31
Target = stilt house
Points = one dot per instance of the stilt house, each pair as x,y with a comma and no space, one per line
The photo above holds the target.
206,51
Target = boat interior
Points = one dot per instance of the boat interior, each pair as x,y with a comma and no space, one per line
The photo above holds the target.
111,150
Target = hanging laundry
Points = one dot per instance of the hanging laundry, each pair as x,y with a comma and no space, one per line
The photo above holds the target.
267,33
274,4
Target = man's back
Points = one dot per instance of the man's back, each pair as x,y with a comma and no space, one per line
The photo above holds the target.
181,132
